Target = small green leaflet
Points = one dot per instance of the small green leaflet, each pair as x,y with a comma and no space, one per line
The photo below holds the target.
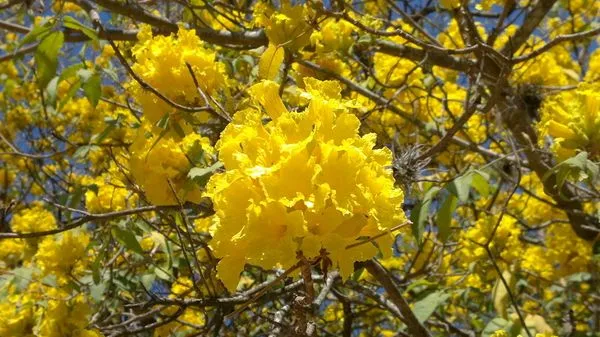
71,23
46,57
578,167
127,239
419,214
200,175
424,308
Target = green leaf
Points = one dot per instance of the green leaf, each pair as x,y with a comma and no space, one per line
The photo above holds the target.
494,325
102,135
178,129
46,57
127,239
162,274
70,22
419,214
70,71
425,307
97,291
163,122
578,168
51,91
84,74
481,183
444,216
83,151
357,273
200,175
147,280
36,34
500,294
461,186
196,154
92,89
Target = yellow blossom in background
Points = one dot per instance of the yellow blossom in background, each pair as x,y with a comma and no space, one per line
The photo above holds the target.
286,26
572,118
64,254
334,35
155,162
35,218
66,315
161,62
303,181
109,194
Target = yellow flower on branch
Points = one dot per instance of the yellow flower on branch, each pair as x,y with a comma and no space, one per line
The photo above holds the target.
301,181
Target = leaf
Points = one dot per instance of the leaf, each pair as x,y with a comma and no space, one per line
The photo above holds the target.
270,61
46,57
494,325
92,89
97,291
36,34
127,239
419,214
200,175
578,167
500,294
51,91
163,122
70,71
425,307
461,186
480,183
102,135
444,216
70,22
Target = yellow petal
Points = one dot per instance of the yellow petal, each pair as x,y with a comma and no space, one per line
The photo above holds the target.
270,61
267,94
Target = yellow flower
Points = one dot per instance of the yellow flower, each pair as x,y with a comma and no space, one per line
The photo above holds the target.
33,219
287,26
64,254
155,162
302,181
573,120
161,62
334,35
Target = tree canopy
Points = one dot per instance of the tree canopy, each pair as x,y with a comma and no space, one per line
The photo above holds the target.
300,168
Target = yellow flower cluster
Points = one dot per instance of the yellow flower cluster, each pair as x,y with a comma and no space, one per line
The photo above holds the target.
564,254
161,62
33,219
505,246
333,35
63,255
301,181
110,194
155,162
62,314
190,320
286,26
573,120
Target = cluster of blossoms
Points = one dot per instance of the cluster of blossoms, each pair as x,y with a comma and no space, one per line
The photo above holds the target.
572,119
161,165
161,61
160,161
48,308
301,181
44,311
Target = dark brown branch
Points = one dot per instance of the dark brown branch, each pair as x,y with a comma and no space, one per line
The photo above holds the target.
530,23
415,328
